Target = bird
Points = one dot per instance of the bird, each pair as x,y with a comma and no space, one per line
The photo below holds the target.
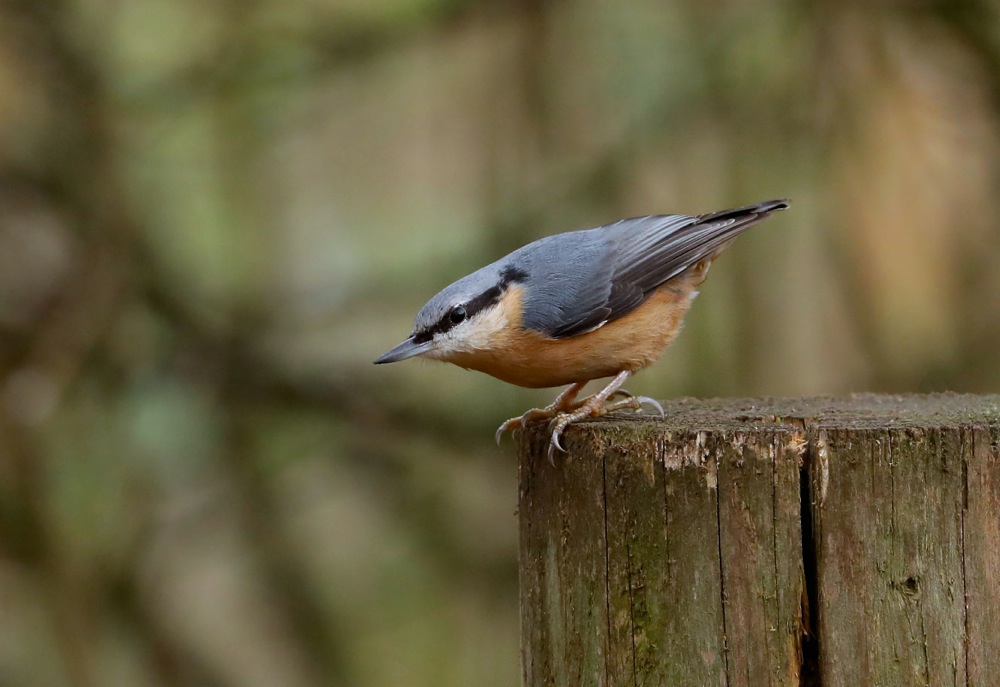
578,306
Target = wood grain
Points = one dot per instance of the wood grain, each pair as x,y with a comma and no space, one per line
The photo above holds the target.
686,551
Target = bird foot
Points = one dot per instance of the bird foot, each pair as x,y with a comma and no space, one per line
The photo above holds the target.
534,415
566,410
565,402
594,406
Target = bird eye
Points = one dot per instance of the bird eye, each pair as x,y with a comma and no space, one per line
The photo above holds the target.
457,314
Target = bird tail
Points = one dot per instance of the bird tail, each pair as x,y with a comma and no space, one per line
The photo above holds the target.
712,233
718,229
747,212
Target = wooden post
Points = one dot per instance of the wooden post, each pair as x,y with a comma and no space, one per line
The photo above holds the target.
843,542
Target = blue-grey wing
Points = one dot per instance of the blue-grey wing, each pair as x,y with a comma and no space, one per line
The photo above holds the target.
596,276
570,283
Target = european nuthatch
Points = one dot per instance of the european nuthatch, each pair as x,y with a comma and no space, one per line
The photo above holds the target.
578,306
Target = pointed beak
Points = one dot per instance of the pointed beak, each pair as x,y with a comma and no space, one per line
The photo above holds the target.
407,349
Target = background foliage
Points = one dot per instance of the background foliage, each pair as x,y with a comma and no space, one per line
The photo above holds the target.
214,215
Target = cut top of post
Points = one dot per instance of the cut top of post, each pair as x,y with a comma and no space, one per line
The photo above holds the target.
836,541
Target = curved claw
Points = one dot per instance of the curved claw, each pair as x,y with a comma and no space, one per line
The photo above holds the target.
508,426
556,428
554,445
646,400
554,439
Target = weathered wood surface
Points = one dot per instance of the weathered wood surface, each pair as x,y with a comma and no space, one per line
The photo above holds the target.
843,542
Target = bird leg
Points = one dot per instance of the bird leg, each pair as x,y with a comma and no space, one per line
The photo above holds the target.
565,402
567,409
593,406
596,406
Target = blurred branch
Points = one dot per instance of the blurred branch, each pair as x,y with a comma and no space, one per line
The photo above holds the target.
245,63
321,636
77,173
172,663
975,25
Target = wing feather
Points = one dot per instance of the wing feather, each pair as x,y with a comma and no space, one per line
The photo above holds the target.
615,268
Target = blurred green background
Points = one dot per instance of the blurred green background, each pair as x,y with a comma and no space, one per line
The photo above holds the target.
214,214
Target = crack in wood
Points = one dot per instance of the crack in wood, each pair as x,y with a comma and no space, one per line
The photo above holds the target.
866,556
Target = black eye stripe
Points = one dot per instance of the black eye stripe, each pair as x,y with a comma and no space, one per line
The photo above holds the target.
488,298
484,300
